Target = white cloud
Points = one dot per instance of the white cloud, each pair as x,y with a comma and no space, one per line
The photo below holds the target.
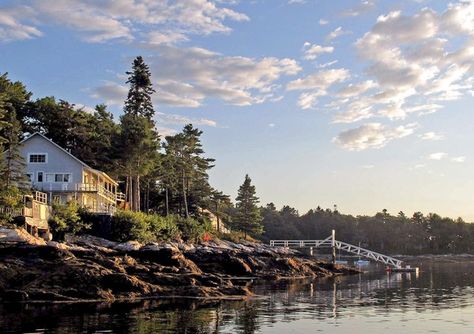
371,135
12,29
100,21
328,64
368,166
319,80
323,22
431,136
413,62
312,51
174,119
199,73
424,109
271,125
458,18
317,84
458,159
336,33
186,77
308,100
355,111
356,89
83,107
362,8
443,155
168,37
111,93
437,156
164,132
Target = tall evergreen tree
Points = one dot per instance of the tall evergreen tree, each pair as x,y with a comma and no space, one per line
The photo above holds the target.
184,155
220,204
139,139
12,170
248,218
15,98
138,100
3,123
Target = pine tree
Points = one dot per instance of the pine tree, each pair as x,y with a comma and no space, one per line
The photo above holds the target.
139,143
139,95
16,97
248,218
3,123
12,170
139,139
184,153
13,97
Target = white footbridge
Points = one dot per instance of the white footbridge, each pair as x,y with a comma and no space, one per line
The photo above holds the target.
331,242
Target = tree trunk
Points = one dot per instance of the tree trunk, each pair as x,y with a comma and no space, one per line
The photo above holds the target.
147,201
127,191
185,199
134,190
217,216
137,200
167,202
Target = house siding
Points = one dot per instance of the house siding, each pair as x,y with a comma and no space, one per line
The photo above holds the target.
57,162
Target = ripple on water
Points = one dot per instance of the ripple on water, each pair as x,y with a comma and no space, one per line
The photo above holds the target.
440,299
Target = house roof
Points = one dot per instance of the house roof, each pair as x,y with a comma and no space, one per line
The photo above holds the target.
68,153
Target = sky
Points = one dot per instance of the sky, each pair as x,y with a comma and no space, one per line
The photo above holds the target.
366,105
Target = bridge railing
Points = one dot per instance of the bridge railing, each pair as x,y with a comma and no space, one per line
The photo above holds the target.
331,242
302,243
368,253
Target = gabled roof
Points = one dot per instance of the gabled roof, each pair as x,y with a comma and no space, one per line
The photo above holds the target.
68,153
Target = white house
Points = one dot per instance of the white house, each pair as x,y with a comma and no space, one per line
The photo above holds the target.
62,176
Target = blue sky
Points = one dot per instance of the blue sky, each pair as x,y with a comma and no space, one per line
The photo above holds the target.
363,104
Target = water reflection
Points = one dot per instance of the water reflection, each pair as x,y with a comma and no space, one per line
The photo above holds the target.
372,299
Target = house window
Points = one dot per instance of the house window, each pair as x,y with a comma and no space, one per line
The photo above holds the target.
39,177
61,177
37,158
58,177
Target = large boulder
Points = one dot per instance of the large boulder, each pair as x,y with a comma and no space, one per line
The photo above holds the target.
18,235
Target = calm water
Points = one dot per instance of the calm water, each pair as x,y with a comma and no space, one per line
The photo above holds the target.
438,300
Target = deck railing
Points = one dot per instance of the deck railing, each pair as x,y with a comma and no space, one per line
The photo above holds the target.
101,190
102,209
14,212
40,197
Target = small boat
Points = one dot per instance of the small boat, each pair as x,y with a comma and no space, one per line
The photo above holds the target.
362,263
341,262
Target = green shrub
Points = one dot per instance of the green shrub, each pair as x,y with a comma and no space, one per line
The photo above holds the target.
10,199
234,236
130,225
163,228
65,218
192,230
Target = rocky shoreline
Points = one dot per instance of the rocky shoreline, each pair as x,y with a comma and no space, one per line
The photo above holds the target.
87,268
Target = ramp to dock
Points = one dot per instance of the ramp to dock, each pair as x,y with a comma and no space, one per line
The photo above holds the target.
331,242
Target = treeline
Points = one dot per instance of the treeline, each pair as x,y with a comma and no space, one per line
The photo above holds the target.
162,176
383,232
168,177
